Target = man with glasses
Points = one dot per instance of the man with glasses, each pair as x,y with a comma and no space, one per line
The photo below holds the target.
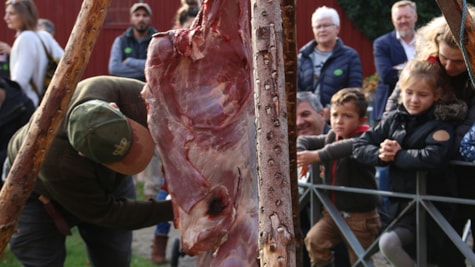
325,64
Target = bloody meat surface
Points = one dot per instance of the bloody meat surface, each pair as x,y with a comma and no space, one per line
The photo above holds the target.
199,94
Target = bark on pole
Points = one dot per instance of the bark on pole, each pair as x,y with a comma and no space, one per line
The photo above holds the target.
290,68
47,119
276,230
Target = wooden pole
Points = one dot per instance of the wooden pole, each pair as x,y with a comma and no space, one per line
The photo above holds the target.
452,11
290,71
276,230
47,118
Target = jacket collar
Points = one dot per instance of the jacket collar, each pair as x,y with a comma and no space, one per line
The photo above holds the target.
308,48
129,33
361,129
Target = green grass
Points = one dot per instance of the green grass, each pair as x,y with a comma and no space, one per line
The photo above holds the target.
76,255
76,250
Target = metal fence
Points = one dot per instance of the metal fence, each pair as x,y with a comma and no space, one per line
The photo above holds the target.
313,195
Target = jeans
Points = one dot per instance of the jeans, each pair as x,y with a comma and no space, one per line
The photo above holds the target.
38,243
164,227
384,183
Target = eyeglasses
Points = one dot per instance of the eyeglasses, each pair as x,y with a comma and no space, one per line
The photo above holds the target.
323,26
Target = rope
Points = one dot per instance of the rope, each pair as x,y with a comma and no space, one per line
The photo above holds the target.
462,46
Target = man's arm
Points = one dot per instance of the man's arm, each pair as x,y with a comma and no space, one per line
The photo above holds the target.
117,67
382,61
135,63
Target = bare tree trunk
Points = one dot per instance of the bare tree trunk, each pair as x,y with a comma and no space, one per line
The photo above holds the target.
47,119
276,229
290,66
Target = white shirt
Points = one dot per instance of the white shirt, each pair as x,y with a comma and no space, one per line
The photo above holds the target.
28,60
409,48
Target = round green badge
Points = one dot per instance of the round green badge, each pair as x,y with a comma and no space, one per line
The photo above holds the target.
128,50
338,72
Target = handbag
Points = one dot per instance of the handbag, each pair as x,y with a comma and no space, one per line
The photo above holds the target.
50,69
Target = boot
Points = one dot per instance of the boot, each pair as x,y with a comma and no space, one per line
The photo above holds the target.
159,248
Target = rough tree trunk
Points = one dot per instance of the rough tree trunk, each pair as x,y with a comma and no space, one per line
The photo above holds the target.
22,176
290,67
276,229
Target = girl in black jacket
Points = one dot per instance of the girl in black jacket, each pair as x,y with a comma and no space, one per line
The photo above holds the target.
410,139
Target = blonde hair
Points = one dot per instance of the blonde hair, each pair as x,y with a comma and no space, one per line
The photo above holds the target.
404,3
435,32
431,72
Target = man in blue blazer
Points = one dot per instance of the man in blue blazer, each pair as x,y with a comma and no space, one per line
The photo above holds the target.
392,50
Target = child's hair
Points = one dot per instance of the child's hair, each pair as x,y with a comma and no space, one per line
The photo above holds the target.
354,95
431,72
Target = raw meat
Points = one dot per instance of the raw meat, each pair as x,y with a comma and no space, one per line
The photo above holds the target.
201,113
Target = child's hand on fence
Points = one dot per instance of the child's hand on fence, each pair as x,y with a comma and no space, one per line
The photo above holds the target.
307,157
388,150
303,170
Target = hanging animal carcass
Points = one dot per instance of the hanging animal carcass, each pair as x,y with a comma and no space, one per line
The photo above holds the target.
199,94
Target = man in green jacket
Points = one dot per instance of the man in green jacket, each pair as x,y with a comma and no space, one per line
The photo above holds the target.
85,178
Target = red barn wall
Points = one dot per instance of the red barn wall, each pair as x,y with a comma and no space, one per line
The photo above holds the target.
64,12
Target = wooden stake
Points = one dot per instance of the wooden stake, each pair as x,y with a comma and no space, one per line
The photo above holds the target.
49,115
290,48
276,229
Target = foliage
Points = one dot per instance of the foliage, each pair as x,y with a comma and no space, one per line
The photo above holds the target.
9,260
369,86
373,17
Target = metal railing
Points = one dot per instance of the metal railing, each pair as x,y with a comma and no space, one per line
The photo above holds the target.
313,194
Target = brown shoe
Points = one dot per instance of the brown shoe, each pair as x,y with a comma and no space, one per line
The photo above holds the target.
159,248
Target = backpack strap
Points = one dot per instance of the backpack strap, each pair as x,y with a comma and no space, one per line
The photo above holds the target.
35,89
50,58
48,55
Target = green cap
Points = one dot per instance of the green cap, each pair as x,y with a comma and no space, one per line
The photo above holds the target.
99,131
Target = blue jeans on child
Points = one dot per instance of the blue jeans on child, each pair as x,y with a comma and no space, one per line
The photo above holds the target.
164,227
